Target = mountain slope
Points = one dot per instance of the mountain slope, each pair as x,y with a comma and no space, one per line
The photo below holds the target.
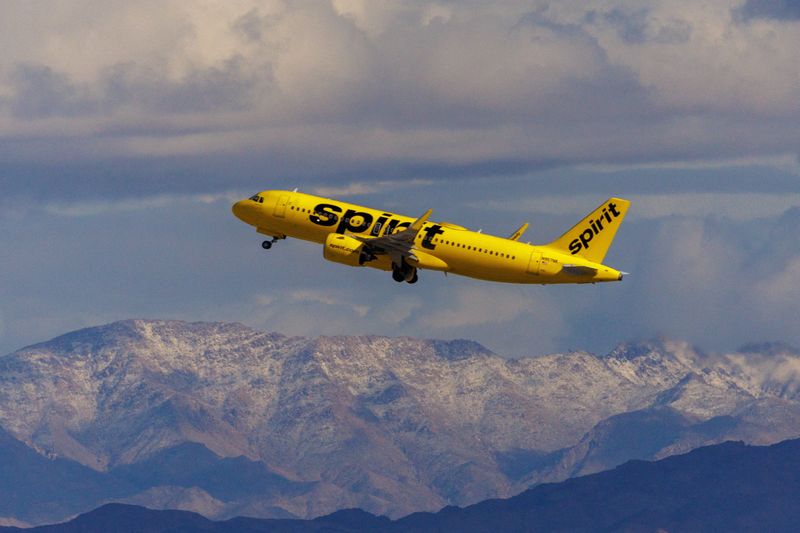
726,487
390,425
35,489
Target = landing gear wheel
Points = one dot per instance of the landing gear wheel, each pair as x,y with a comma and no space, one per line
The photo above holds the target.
414,278
266,245
397,275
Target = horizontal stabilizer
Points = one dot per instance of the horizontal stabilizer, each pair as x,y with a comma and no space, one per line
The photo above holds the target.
578,270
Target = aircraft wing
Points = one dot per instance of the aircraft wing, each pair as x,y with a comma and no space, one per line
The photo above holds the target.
397,245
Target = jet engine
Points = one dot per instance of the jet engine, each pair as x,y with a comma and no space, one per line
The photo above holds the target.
346,250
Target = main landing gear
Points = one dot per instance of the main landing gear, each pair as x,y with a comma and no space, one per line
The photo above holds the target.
404,272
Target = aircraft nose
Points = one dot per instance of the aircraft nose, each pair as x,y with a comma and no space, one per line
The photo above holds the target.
238,210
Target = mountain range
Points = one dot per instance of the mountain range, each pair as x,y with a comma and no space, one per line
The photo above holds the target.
725,487
228,421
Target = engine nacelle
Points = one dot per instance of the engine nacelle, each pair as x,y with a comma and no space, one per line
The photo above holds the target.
345,250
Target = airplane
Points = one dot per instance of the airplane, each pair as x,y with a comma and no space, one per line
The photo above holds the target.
359,236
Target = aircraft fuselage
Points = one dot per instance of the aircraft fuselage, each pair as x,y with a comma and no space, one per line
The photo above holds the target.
437,245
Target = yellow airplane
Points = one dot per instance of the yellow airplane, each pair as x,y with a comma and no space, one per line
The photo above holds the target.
360,236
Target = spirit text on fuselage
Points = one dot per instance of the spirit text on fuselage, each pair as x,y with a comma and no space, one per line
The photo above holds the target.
328,215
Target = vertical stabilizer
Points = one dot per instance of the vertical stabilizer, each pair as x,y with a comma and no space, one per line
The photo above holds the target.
591,237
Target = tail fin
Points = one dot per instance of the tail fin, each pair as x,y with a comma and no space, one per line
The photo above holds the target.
591,237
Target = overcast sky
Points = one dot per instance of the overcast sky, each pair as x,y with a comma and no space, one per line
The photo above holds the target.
128,128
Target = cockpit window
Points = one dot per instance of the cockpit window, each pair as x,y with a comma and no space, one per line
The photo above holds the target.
257,198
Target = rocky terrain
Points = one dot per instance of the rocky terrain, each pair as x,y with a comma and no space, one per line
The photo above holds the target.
227,421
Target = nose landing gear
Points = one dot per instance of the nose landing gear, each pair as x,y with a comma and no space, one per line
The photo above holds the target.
268,244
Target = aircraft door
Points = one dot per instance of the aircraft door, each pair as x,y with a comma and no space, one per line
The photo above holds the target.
280,206
534,263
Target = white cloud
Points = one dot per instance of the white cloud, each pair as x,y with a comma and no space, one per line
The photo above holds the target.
477,306
311,299
124,205
362,187
778,295
426,82
735,206
401,309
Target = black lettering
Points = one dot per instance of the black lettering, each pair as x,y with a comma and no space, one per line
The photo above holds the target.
430,233
575,246
390,227
400,227
585,237
325,215
376,229
347,222
594,227
613,208
606,215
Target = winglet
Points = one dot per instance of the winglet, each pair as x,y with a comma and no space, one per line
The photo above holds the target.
517,234
417,225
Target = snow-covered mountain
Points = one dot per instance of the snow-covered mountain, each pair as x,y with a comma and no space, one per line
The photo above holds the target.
391,425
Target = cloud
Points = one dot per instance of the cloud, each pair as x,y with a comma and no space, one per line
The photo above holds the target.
337,89
313,298
127,129
717,281
771,9
371,187
778,294
101,207
734,206
478,306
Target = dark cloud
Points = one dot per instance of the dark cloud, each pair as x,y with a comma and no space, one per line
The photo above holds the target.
114,178
224,88
631,26
443,91
250,25
39,92
771,9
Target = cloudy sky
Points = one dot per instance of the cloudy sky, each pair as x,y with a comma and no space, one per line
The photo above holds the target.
128,128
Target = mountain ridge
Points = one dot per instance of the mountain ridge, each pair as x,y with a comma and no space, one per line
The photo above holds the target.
725,487
392,425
